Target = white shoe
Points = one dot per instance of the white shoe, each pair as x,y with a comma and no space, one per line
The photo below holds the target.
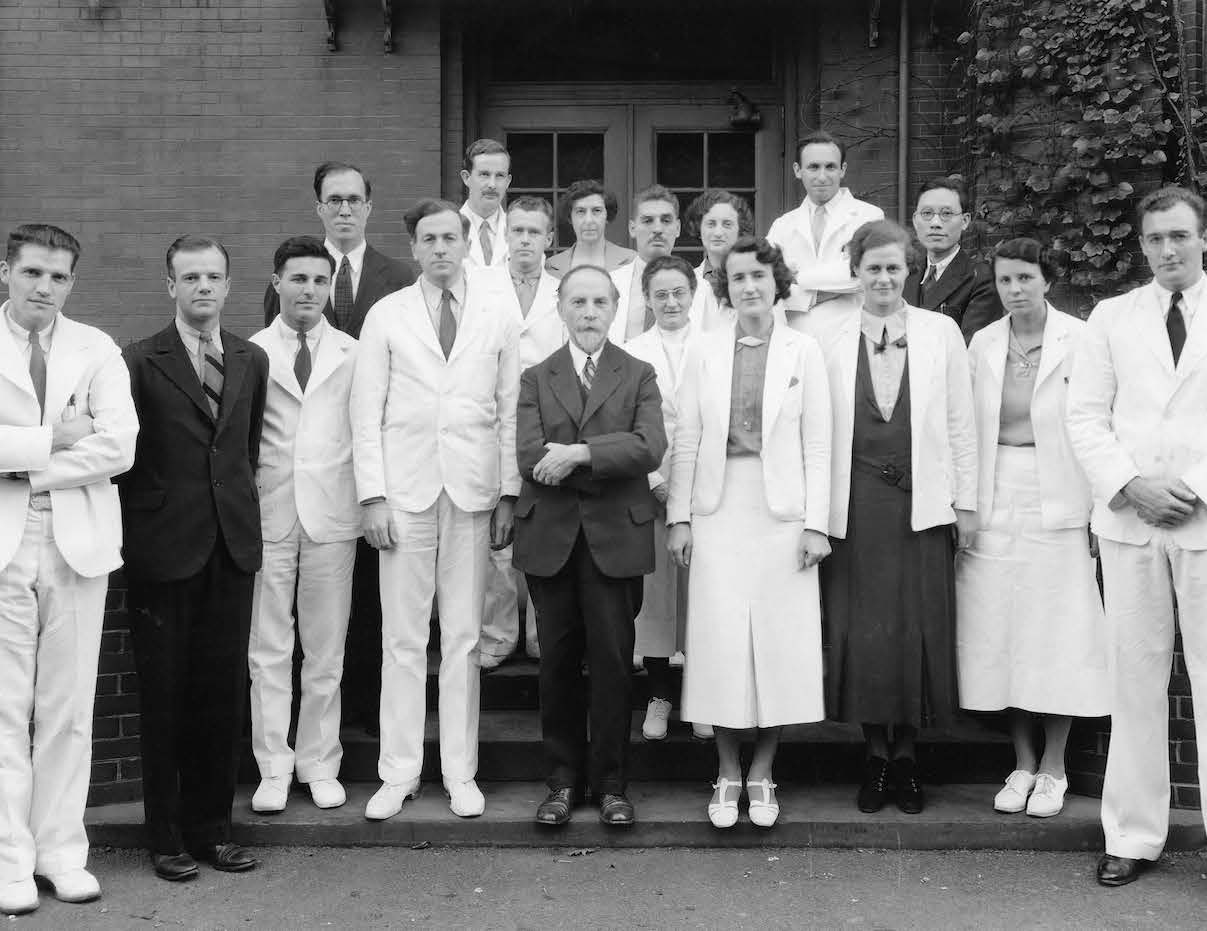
1049,796
702,731
18,897
387,801
76,885
465,799
657,712
763,811
638,661
1013,798
724,814
490,661
327,793
677,659
271,795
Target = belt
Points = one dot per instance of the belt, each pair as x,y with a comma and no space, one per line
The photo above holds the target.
40,501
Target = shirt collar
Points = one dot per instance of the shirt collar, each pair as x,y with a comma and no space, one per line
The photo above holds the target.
289,336
533,276
739,336
873,326
941,267
192,336
21,335
831,205
1190,297
356,258
579,358
433,292
475,220
675,337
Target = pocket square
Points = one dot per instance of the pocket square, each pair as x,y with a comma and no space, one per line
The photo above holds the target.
793,382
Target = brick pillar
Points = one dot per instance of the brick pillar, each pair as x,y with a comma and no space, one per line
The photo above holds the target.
116,764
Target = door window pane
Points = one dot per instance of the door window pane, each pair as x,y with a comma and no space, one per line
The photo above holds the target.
580,156
679,159
544,164
731,160
531,159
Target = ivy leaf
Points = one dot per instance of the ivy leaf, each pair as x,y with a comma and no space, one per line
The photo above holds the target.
1125,189
1100,178
1100,229
1155,157
1121,230
1111,116
964,38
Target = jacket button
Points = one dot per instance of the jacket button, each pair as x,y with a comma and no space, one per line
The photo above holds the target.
213,449
217,483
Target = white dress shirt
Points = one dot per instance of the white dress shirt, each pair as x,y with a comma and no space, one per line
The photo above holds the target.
941,266
432,294
21,335
888,365
498,234
580,358
356,262
192,342
1192,297
289,336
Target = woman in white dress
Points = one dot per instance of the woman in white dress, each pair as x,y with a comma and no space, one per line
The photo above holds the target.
717,218
748,510
1030,629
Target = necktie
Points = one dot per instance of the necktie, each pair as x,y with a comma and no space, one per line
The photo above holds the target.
589,373
525,289
448,323
1175,325
487,241
342,304
37,368
819,226
212,373
927,282
301,362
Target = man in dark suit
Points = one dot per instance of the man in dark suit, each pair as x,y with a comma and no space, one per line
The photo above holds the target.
952,282
192,545
363,276
589,430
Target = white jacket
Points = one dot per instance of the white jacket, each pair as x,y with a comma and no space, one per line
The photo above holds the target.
943,432
542,331
1131,413
648,347
796,429
421,423
305,469
1064,492
85,365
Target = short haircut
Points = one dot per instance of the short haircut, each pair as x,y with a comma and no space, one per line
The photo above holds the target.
580,189
880,233
655,192
533,204
335,168
1167,198
300,247
766,254
821,137
191,243
699,207
484,147
430,206
44,235
578,269
1026,249
668,263
948,183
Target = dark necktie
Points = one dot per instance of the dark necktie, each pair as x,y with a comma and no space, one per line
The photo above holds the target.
342,304
487,243
301,362
37,368
927,283
212,373
1175,326
589,374
448,323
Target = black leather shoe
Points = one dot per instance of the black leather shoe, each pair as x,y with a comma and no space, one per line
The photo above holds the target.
228,858
874,788
1119,871
616,810
556,808
174,867
904,773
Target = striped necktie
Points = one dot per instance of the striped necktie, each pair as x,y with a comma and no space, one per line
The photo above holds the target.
589,374
341,304
212,373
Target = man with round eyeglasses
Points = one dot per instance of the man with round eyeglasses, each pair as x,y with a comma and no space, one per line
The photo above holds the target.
952,282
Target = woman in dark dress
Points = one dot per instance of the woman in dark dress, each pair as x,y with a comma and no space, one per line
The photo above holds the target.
903,494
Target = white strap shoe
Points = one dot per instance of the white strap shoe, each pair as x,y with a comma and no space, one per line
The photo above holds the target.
763,811
724,813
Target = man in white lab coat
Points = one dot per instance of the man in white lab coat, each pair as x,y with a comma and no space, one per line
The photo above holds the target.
486,176
67,425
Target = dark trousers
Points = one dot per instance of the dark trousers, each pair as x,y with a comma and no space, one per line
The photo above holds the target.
190,648
580,612
362,663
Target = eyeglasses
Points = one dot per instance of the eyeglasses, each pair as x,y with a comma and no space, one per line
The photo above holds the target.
679,294
355,202
946,214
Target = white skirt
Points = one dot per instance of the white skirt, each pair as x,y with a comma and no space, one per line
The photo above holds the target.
753,619
1030,627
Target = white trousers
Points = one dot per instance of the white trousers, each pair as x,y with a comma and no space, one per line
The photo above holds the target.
321,574
441,551
50,638
1141,584
501,612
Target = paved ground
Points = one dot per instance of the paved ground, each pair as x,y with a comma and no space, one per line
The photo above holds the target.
668,888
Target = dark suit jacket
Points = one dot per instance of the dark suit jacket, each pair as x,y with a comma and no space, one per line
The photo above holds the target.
610,501
379,276
193,477
965,292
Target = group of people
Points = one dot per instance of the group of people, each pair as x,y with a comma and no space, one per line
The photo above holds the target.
808,430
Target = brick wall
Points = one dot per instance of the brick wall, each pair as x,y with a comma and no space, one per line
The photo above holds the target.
148,119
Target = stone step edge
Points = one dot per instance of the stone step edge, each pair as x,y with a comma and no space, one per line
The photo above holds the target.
957,817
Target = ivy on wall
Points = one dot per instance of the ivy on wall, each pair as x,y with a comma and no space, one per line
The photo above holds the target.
1070,107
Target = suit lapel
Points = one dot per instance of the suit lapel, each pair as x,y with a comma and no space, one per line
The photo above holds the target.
607,380
924,350
781,354
415,316
333,347
998,343
235,360
471,315
171,358
370,274
1196,342
63,367
12,361
1150,324
722,380
1056,345
953,276
564,381
280,361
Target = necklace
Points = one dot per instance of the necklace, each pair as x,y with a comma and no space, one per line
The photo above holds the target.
1021,357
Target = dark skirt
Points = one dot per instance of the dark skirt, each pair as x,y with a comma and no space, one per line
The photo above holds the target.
889,613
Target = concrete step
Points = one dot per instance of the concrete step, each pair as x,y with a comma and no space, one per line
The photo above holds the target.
669,815
510,749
